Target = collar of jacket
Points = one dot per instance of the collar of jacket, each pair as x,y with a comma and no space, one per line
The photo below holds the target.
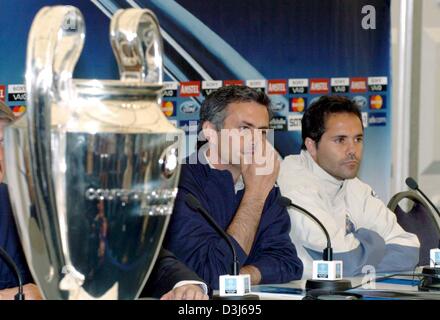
330,183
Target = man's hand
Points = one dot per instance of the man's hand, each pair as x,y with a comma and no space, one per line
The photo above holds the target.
260,170
30,290
253,272
186,292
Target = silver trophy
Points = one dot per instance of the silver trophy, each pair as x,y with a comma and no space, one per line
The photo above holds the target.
93,164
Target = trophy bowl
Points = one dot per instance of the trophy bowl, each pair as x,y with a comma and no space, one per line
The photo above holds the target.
93,164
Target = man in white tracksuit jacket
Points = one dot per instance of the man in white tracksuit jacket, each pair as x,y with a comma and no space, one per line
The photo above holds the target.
322,179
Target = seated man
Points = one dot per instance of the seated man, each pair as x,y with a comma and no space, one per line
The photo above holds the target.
322,179
238,192
9,240
169,280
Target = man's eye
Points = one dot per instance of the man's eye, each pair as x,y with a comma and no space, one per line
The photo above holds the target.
359,140
339,140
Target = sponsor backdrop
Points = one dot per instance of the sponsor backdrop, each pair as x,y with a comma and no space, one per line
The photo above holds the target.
294,50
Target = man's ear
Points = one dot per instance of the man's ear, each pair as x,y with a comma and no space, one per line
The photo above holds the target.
209,132
311,147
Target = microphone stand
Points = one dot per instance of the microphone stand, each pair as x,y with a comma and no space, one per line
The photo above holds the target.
195,204
314,284
432,280
13,266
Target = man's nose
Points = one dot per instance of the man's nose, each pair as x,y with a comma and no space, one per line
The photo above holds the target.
351,148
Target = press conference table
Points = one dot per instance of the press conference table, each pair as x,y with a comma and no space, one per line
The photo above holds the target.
396,288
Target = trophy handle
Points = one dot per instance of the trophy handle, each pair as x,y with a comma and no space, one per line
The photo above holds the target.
55,43
137,45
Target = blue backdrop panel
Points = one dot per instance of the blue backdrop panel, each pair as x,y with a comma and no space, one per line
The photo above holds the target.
300,48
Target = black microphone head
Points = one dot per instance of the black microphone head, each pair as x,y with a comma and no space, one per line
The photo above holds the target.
192,201
411,183
284,202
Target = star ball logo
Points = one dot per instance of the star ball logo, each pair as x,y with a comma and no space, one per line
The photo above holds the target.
168,108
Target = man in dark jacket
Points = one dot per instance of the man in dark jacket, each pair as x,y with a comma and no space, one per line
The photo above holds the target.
9,240
233,176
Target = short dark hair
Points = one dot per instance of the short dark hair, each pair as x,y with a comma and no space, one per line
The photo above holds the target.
315,116
214,107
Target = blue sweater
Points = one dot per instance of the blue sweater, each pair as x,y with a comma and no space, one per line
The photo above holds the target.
197,244
10,241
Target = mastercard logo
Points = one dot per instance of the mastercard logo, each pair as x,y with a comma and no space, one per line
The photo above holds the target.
18,110
298,104
376,102
168,108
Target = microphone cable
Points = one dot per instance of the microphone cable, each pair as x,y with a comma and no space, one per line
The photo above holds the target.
5,256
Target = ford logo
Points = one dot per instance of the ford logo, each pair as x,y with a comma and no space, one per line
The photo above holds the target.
189,107
360,101
279,103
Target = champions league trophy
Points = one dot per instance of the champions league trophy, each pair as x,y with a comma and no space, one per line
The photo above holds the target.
92,165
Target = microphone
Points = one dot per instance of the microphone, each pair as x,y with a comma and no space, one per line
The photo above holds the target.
327,274
11,264
328,251
195,204
231,287
432,281
412,184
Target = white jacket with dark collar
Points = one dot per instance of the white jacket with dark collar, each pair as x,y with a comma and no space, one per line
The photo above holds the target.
371,236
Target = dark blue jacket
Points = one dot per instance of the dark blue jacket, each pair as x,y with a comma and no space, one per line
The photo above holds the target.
198,245
10,241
